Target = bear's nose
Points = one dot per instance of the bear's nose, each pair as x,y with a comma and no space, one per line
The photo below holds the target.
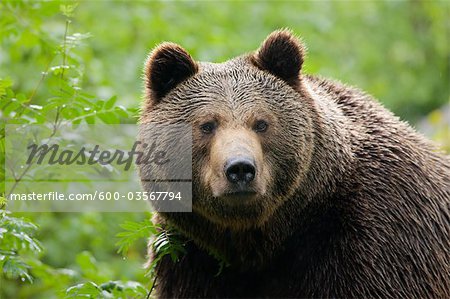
240,170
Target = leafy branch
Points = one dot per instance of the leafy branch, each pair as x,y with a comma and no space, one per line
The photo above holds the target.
17,235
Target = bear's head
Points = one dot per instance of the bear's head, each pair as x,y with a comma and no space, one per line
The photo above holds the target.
251,122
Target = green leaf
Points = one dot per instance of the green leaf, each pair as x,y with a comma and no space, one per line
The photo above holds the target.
167,242
5,84
133,232
68,9
121,112
69,113
21,98
57,70
14,267
127,289
84,290
11,106
108,117
90,119
3,202
110,103
87,262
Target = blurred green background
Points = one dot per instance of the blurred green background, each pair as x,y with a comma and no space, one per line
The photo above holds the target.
398,51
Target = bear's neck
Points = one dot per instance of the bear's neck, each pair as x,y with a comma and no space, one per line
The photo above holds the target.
331,162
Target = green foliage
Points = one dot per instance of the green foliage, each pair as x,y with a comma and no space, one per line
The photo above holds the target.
56,97
167,242
81,62
20,259
396,51
17,236
111,289
133,232
65,99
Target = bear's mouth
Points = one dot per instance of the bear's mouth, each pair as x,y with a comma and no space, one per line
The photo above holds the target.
241,195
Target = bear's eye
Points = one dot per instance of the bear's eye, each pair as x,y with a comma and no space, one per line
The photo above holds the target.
260,126
208,127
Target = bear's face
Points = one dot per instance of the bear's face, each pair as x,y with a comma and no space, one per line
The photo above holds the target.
251,125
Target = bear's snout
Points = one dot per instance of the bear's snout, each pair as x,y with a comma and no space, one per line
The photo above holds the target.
236,164
240,171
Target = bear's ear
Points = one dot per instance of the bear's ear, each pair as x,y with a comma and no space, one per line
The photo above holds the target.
167,66
281,54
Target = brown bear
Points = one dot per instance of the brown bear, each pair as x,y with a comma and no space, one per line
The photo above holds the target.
304,186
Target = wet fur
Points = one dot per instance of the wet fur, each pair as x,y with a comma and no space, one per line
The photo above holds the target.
361,211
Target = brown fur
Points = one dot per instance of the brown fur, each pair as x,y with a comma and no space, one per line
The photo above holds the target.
352,202
167,66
